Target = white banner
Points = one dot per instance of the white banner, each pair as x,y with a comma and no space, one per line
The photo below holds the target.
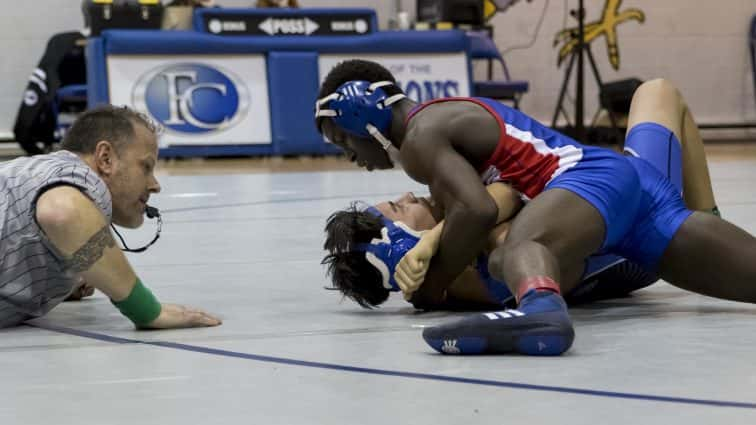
199,99
422,76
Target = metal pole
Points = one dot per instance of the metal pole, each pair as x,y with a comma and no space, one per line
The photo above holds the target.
559,106
579,89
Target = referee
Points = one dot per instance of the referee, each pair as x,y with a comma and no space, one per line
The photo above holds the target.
55,213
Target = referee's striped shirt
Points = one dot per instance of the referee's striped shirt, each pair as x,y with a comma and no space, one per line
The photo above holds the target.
31,278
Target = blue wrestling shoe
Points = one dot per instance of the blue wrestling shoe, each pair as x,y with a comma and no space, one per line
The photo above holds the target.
540,326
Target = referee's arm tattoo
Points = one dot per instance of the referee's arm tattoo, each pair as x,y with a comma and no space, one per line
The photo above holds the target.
90,252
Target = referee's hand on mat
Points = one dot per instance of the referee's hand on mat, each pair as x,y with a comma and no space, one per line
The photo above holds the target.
178,316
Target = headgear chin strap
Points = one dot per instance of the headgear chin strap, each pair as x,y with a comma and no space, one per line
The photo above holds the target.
385,253
361,108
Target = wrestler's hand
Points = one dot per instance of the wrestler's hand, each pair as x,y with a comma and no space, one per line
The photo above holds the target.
178,316
410,272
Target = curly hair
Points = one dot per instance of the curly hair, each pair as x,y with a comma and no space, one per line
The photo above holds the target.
348,270
356,70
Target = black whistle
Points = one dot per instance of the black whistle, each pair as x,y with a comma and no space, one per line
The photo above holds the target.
151,212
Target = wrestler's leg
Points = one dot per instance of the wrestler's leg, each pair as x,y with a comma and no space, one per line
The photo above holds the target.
699,195
695,251
713,257
661,131
658,101
540,252
540,244
609,276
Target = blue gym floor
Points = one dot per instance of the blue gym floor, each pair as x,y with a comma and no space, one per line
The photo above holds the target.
247,246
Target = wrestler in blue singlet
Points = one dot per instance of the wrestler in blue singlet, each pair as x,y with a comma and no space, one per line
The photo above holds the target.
641,207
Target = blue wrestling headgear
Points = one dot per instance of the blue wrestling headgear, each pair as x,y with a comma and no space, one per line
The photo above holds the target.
360,108
385,253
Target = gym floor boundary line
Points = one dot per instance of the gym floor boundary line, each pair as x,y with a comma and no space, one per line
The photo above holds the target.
275,201
396,373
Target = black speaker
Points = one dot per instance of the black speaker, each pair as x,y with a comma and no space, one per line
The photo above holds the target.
468,12
100,15
616,96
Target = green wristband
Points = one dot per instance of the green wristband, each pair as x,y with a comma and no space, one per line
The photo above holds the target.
141,306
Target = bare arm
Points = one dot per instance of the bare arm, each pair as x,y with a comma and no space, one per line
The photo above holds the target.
77,228
441,146
470,214
508,203
467,292
467,287
80,232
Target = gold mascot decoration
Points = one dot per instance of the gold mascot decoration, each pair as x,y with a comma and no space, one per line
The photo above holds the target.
606,26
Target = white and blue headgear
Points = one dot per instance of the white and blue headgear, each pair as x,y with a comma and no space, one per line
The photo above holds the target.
361,108
385,253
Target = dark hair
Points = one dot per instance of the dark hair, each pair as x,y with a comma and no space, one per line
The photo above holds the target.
349,270
112,123
356,70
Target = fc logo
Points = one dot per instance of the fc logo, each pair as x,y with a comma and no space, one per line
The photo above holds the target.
192,98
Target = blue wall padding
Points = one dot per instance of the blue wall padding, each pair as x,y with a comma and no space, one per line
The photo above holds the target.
154,42
293,89
97,73
292,68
